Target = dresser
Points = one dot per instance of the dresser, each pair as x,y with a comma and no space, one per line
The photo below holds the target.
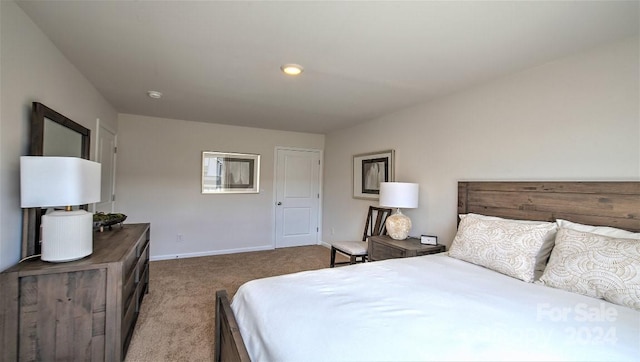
384,247
81,310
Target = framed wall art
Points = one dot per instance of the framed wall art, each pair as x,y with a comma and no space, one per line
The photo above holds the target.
230,173
369,169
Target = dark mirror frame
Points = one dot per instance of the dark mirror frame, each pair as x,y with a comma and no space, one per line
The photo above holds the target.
32,217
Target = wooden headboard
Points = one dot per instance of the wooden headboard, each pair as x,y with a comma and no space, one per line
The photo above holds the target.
615,204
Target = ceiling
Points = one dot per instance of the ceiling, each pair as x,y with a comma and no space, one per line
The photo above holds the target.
219,61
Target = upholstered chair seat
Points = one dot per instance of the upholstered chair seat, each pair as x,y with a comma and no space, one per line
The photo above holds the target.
357,250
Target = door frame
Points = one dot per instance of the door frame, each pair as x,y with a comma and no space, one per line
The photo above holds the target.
106,126
275,189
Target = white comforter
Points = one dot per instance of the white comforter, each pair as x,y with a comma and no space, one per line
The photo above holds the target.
427,308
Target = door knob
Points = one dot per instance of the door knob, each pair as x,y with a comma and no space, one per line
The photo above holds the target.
279,203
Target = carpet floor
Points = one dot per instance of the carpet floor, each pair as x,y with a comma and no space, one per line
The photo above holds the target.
177,316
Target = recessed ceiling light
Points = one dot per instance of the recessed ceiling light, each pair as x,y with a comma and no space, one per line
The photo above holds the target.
154,94
292,69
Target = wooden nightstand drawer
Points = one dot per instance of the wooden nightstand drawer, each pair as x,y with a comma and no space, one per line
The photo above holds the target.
384,247
383,251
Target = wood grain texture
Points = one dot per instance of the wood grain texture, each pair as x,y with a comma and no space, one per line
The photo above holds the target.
615,204
229,345
8,322
74,311
384,247
45,325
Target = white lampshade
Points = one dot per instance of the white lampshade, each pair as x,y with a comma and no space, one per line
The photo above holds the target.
399,195
58,181
61,181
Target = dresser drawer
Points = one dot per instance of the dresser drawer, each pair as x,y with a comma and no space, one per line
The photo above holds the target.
133,267
131,259
129,264
141,290
142,244
128,321
142,264
128,288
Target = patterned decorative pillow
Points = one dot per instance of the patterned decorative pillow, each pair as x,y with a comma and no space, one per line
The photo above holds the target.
517,248
595,265
600,230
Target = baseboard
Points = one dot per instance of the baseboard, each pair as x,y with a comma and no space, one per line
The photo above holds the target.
219,252
209,253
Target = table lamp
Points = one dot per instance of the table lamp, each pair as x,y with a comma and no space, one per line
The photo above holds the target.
61,181
398,195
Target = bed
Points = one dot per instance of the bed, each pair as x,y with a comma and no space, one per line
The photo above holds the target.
465,304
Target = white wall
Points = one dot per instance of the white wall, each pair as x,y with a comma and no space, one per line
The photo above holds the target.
33,69
158,181
573,119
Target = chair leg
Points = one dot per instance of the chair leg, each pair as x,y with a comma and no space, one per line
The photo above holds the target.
333,257
352,259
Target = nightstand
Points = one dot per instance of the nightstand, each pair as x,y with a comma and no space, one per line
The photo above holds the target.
384,247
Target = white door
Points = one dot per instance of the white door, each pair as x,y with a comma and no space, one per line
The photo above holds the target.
297,197
106,156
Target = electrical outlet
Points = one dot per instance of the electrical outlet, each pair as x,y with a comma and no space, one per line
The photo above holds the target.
179,238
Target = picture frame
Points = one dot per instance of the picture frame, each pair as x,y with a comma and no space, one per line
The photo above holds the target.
369,169
230,173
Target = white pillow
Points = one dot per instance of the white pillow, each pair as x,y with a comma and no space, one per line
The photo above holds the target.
595,265
600,230
518,248
485,217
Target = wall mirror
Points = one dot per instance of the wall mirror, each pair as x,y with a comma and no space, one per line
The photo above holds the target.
52,134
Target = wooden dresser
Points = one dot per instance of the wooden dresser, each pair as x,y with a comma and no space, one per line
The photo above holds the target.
83,310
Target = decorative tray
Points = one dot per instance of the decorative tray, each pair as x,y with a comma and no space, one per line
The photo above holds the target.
100,220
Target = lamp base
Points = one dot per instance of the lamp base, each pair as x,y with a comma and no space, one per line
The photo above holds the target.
66,235
398,225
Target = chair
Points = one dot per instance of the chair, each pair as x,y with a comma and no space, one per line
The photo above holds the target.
358,249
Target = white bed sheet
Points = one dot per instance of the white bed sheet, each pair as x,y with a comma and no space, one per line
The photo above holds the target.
427,308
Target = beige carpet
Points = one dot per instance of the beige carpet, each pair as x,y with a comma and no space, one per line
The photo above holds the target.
177,316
